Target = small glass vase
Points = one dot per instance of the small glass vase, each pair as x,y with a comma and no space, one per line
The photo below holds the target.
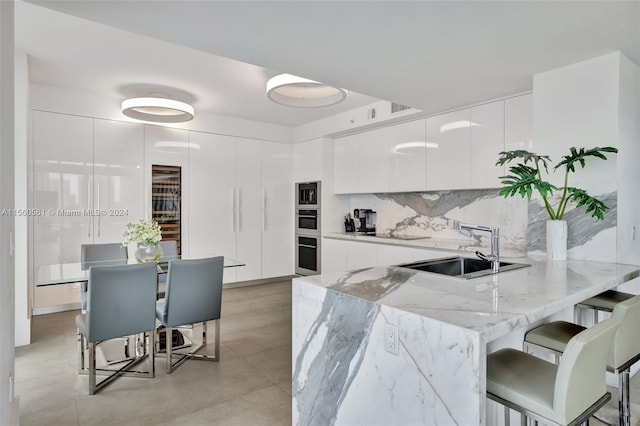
148,252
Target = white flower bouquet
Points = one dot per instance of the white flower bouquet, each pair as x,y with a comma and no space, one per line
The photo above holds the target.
144,232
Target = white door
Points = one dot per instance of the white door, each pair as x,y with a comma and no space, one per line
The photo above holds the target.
277,210
62,186
118,178
212,205
249,209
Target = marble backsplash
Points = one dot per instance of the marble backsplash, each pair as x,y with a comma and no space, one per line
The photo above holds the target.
521,222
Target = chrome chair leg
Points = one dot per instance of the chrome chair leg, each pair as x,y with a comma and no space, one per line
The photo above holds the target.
623,398
81,366
507,419
168,348
92,368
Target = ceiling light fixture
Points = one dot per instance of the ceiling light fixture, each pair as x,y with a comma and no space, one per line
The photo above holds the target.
160,110
290,90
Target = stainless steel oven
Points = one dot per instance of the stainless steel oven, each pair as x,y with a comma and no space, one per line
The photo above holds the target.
307,255
308,195
308,222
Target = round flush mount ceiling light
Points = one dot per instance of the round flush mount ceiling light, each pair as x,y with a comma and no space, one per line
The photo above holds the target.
290,90
160,110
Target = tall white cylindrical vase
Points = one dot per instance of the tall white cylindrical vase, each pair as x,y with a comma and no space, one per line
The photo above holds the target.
557,239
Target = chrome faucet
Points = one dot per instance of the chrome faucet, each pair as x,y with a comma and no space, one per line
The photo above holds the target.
494,257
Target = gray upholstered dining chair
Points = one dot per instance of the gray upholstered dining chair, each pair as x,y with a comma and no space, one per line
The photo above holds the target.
625,350
109,254
565,394
169,250
121,302
193,295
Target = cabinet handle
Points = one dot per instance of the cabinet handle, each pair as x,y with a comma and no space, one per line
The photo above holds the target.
264,209
307,246
239,210
90,204
233,210
99,215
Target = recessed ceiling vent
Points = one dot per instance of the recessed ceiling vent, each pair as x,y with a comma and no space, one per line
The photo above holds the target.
398,107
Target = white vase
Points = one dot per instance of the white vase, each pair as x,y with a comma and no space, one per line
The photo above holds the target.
556,239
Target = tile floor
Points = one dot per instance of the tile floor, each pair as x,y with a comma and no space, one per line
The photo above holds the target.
251,385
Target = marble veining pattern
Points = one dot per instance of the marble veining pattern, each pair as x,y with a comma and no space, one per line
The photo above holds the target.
437,214
348,324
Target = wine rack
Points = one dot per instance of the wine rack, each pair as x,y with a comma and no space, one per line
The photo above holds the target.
166,201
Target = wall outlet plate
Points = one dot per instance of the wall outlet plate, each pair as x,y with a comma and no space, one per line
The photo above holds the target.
391,339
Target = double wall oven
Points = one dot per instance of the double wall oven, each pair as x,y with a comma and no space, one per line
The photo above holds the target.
308,234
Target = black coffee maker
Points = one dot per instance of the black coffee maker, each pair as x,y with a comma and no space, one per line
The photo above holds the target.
366,221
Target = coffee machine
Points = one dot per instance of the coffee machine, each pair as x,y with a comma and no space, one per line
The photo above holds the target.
366,221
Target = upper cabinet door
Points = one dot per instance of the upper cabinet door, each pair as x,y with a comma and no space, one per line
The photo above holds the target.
518,129
374,160
346,159
118,178
448,151
406,149
277,210
487,141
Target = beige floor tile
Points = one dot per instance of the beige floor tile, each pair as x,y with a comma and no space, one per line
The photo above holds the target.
255,319
274,363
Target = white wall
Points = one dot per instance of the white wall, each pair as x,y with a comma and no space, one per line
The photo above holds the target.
579,105
628,240
23,321
8,404
71,102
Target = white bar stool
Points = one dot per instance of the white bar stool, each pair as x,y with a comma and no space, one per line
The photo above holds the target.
625,349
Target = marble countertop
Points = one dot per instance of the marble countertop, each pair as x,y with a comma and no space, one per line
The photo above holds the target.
493,305
469,246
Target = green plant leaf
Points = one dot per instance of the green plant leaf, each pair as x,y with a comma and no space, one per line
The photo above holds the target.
579,156
526,156
523,180
592,205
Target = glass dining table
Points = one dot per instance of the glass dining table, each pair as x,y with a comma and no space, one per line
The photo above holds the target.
69,273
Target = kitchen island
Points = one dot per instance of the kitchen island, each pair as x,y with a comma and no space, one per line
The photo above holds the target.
343,375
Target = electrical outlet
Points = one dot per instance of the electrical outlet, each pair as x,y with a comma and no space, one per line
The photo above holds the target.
391,339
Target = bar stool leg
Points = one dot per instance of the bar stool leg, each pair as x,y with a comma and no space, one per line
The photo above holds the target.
623,398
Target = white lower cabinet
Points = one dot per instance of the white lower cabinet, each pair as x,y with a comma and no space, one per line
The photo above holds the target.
333,256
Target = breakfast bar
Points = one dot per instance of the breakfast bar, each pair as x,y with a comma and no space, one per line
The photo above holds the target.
345,370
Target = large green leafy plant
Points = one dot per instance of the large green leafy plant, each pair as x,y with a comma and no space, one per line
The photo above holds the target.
526,176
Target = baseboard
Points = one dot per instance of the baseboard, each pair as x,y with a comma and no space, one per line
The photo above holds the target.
257,282
55,309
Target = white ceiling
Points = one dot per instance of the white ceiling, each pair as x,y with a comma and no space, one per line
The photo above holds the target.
432,55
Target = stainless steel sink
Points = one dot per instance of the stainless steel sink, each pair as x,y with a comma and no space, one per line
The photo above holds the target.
461,267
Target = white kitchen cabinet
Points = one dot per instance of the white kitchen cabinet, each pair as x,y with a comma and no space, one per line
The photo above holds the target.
88,176
346,172
333,256
448,155
212,206
361,255
373,160
249,209
518,129
241,204
406,156
118,173
487,141
277,210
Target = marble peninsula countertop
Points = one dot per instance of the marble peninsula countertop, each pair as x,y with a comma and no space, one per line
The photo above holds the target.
491,306
443,244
